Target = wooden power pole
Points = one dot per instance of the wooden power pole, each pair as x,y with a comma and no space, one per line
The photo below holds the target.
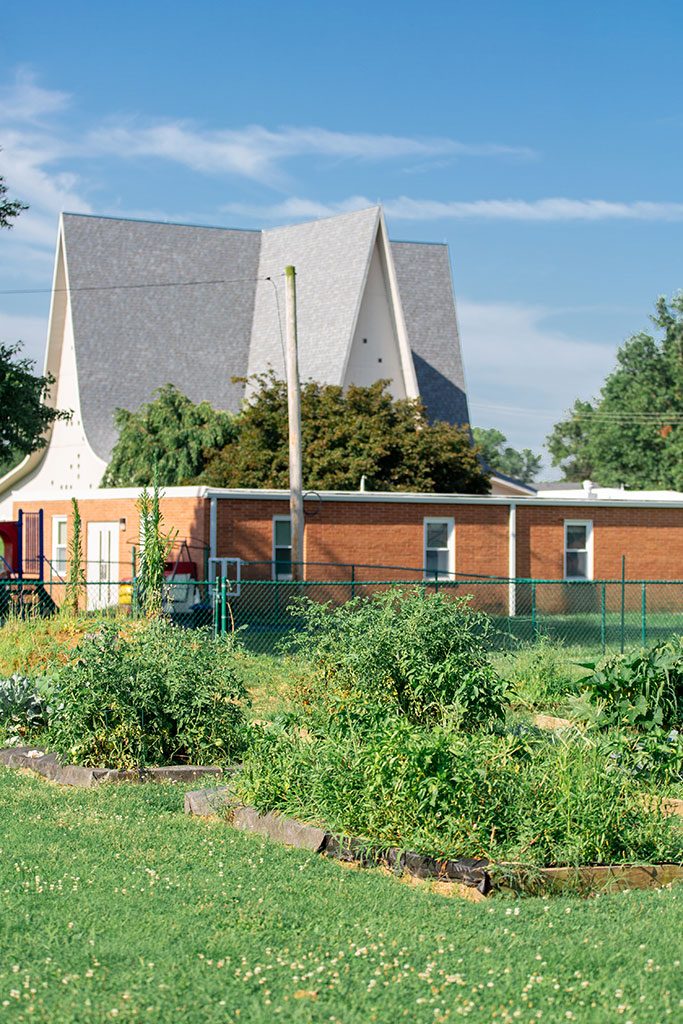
296,499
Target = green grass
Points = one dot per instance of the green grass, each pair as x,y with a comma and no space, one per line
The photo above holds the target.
115,906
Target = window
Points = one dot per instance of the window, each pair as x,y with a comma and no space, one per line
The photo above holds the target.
578,550
439,548
59,544
282,548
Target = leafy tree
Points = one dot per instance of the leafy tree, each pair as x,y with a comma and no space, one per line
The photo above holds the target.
9,208
346,434
23,416
170,432
523,465
633,432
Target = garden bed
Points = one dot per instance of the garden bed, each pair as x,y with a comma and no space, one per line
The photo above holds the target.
476,873
50,767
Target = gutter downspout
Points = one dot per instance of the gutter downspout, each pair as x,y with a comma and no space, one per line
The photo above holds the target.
512,559
213,526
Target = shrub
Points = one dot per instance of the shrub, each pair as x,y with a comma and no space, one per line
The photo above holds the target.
23,709
642,690
422,656
157,694
453,794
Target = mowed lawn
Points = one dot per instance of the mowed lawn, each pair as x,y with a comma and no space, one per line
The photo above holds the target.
115,906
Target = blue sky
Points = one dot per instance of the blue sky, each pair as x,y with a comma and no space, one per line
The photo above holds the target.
543,142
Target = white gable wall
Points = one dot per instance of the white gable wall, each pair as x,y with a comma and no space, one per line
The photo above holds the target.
68,463
375,350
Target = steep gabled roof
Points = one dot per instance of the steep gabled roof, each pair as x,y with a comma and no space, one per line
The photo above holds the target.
331,257
131,340
152,303
424,282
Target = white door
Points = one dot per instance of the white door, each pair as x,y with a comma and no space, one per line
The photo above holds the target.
103,565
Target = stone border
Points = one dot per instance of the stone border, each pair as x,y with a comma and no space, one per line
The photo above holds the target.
476,874
49,766
210,802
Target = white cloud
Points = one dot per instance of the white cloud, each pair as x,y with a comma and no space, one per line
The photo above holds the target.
25,101
404,208
529,373
258,153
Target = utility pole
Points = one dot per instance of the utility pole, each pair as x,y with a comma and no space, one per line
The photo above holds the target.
296,500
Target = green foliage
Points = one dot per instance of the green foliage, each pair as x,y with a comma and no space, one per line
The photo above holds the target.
347,433
24,418
641,690
406,652
456,794
542,673
156,547
9,208
171,432
75,587
162,918
633,432
150,695
497,454
23,709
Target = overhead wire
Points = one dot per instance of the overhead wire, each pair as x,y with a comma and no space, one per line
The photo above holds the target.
142,284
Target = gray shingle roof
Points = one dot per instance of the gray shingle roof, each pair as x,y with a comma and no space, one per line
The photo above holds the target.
424,283
331,257
131,340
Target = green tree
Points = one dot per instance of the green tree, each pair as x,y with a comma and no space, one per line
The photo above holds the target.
9,208
523,465
633,432
172,433
347,433
24,418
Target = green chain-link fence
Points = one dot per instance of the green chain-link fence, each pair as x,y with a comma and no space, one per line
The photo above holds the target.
603,615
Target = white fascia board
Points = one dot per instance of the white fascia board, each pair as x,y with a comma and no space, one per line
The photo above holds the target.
112,494
405,497
405,351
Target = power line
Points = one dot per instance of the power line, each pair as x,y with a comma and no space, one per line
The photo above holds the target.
145,284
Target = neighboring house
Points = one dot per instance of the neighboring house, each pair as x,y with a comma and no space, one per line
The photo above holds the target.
137,304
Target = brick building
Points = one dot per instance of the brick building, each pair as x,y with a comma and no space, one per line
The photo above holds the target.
383,536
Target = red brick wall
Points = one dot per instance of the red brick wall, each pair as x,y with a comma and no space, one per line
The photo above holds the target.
365,534
650,538
189,516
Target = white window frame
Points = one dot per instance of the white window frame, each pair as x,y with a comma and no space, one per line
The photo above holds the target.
450,523
56,522
588,523
275,575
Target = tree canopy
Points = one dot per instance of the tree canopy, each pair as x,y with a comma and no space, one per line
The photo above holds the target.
170,432
347,433
9,208
24,417
497,454
632,433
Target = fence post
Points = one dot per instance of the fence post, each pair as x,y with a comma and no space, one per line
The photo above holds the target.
533,609
623,600
353,581
603,617
224,606
643,613
436,581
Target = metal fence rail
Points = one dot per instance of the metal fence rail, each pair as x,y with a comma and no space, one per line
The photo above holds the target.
603,615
